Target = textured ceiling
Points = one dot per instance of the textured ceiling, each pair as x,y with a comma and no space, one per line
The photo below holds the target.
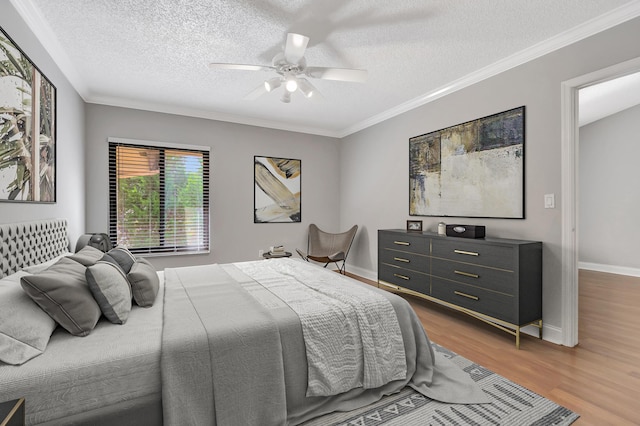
154,54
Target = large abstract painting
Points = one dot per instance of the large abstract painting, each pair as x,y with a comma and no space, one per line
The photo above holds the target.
276,190
473,169
27,128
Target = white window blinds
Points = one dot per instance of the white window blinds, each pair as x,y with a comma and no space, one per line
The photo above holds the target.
158,197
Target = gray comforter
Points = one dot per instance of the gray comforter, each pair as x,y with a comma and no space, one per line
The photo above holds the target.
233,353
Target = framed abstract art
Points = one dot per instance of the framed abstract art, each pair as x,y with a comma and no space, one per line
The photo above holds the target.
473,169
276,190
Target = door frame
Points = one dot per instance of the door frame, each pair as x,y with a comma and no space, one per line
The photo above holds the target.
569,160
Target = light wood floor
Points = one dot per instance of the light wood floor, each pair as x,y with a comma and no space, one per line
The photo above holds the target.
599,378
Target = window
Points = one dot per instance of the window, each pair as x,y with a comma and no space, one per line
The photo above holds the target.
158,197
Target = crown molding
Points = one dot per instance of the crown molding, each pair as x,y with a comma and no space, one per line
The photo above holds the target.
601,23
43,32
210,115
45,35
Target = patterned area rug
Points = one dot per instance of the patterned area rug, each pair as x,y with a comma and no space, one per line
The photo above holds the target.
513,406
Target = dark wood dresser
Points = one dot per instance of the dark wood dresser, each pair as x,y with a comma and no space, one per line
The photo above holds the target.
496,280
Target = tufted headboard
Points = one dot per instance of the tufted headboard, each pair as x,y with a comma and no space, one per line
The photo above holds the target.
29,243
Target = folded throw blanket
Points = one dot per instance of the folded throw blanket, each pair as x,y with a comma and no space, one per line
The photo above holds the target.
351,334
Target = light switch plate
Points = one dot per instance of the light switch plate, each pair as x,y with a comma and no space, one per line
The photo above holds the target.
549,201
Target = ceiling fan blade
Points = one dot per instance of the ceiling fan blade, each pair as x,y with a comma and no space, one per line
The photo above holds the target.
295,48
243,67
256,93
339,74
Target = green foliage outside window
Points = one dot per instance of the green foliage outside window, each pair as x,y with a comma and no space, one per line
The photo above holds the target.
142,223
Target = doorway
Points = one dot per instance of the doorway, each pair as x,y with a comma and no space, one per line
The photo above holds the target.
569,161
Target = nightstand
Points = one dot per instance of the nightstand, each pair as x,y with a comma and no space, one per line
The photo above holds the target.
12,413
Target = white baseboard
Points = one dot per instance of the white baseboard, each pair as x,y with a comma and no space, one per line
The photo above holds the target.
364,273
550,333
611,269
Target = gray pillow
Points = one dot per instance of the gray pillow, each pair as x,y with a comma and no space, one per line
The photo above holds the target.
110,288
25,329
124,258
87,256
62,292
144,283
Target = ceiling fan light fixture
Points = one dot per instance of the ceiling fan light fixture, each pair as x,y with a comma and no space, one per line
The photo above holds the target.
306,88
299,40
272,83
291,84
291,68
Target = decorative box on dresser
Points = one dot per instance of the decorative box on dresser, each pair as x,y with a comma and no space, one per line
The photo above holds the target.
498,281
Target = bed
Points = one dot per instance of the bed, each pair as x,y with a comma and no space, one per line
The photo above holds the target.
276,342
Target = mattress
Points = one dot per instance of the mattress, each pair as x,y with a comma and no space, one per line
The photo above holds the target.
115,369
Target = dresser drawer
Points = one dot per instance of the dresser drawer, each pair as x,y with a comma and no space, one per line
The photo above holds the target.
495,305
405,241
499,280
406,278
496,256
404,259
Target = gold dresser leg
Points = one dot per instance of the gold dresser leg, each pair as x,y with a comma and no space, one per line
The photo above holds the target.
540,329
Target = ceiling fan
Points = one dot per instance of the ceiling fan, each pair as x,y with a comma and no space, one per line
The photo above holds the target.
292,70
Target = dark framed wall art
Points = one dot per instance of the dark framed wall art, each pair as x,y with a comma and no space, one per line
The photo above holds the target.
473,169
276,190
27,128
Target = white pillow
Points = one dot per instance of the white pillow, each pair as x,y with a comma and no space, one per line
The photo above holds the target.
25,329
36,269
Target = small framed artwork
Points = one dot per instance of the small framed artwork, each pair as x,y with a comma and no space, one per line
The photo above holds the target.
276,190
414,225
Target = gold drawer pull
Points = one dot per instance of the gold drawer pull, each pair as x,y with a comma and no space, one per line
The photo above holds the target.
400,259
469,253
466,295
402,243
404,277
467,274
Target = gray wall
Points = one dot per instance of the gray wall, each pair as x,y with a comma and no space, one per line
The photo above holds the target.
609,197
234,236
70,189
362,179
375,161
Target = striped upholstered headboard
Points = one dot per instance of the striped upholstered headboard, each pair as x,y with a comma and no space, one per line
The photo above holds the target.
28,243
